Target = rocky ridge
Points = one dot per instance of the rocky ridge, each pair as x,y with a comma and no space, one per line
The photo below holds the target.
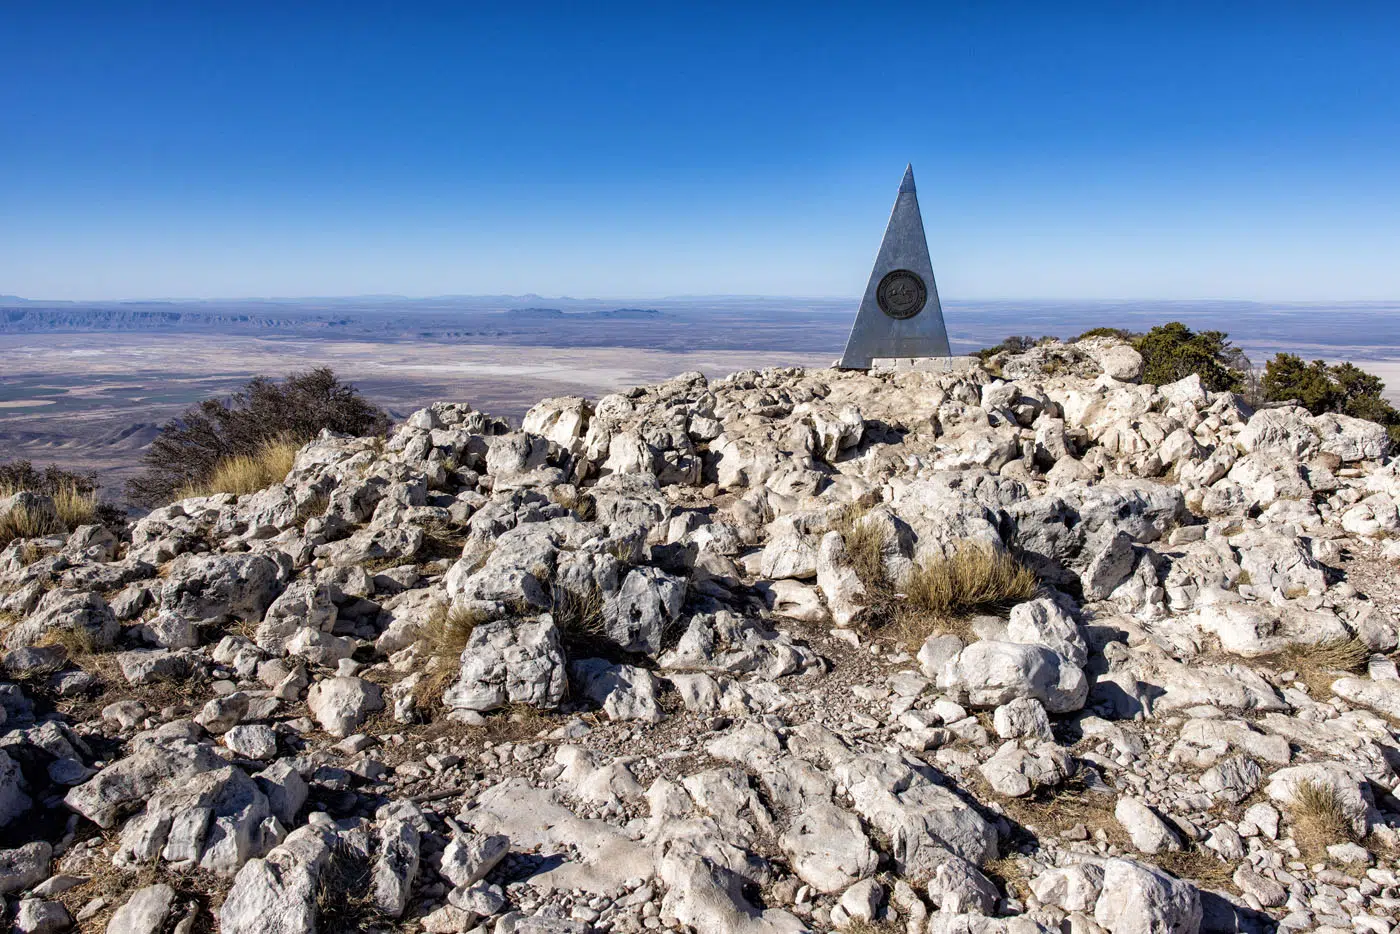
617,670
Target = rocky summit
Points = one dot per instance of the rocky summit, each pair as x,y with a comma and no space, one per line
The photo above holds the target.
678,659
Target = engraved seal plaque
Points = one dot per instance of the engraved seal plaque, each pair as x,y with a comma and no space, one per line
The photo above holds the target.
901,294
900,315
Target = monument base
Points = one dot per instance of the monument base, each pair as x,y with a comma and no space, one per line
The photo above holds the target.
931,364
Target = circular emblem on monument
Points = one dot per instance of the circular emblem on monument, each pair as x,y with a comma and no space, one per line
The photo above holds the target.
901,294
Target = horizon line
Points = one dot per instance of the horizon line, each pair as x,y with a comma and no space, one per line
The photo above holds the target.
709,296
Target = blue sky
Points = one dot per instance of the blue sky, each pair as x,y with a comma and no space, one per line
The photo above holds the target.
1065,150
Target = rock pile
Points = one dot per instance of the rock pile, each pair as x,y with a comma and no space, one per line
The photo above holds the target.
628,668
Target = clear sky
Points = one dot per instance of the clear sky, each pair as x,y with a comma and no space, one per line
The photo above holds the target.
1062,150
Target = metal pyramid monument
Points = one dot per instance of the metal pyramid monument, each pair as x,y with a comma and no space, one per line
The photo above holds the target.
900,315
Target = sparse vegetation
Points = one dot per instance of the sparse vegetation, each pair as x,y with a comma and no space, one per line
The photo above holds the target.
975,578
1199,866
1120,333
74,498
344,894
1319,664
444,636
861,926
578,613
212,437
1319,388
865,545
1016,343
248,473
937,595
1319,818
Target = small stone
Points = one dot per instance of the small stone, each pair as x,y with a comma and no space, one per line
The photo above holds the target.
24,867
252,741
1150,834
36,916
144,912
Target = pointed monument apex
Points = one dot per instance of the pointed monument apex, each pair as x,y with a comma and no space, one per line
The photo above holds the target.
900,315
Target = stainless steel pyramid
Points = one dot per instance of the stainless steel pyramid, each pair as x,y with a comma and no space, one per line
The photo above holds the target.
900,315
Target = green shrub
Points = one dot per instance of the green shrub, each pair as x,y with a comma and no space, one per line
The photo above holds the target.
1320,388
1016,343
1173,351
190,449
1119,333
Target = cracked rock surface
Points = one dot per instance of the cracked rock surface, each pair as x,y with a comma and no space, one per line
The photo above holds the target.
626,668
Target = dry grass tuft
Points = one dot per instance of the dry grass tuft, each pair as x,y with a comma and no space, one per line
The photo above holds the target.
1055,810
578,613
76,642
571,497
935,596
1350,654
344,894
517,723
1318,665
861,926
865,545
248,473
444,637
73,507
1008,871
974,579
940,595
313,508
1202,867
1319,818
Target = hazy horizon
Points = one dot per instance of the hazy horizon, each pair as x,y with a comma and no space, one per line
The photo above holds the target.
689,297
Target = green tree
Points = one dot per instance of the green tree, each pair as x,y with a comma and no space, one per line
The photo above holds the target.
1173,351
1319,388
1287,377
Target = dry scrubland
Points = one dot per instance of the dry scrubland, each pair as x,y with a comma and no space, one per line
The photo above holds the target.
792,650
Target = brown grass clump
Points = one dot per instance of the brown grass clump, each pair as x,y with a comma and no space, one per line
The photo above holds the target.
1318,665
1007,871
578,613
1056,809
1202,867
248,473
76,642
974,579
344,894
313,508
1319,817
73,505
865,546
444,637
939,595
861,926
936,596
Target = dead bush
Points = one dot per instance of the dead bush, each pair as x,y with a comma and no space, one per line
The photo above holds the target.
1318,665
190,449
578,613
344,894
